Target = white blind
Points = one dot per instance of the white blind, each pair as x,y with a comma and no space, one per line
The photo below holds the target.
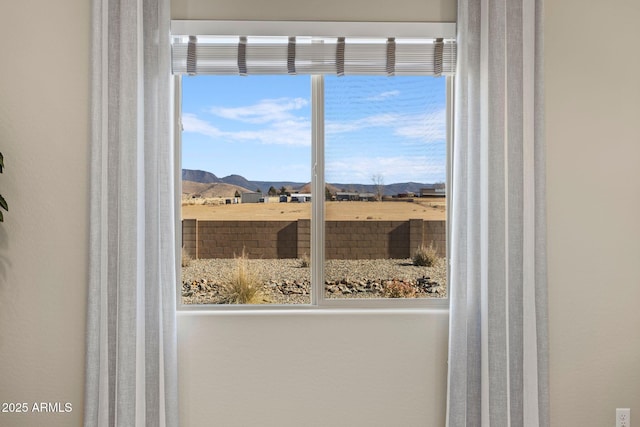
313,55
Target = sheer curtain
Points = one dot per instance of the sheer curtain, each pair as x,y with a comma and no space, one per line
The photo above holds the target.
131,377
498,327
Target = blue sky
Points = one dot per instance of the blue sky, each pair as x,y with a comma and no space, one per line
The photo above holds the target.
260,127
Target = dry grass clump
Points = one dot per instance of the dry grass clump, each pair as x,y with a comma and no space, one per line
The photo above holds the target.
244,286
425,256
397,289
186,258
305,261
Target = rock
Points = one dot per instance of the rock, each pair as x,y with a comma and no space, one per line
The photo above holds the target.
344,289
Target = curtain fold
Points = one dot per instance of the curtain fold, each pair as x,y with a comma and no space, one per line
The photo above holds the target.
498,369
131,373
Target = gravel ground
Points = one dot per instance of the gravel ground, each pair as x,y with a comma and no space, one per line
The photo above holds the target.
286,281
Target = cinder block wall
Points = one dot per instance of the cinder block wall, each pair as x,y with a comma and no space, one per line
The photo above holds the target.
292,239
259,239
190,237
436,232
367,239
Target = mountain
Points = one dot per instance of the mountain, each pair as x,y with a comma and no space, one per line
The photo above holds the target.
389,189
244,185
199,176
240,181
216,189
289,185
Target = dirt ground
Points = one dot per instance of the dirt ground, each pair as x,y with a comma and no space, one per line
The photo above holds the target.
428,209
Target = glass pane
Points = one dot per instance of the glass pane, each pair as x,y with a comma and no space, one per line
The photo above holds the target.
246,155
385,169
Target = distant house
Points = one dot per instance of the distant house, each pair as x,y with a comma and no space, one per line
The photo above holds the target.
344,196
301,197
433,190
406,195
251,197
368,197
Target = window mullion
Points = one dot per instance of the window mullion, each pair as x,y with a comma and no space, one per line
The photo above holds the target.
317,189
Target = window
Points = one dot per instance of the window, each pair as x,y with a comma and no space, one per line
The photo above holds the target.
310,189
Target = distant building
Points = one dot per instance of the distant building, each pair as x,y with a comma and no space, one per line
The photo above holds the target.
433,190
251,198
301,197
342,196
345,196
406,195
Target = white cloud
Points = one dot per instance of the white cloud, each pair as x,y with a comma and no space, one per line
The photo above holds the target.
384,95
265,111
282,133
392,169
378,120
277,123
428,127
191,123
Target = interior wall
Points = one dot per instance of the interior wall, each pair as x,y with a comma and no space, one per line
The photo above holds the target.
326,10
369,362
593,160
44,99
315,369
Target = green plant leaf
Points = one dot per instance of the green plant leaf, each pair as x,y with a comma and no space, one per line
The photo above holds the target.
1,217
3,204
1,162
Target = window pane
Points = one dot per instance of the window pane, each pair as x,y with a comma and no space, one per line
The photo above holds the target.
246,155
385,169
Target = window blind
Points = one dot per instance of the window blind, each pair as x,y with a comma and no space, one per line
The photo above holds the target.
246,55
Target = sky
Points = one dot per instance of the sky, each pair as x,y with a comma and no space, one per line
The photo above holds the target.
390,128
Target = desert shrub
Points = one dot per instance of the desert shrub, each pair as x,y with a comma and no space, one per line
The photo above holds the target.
425,256
244,286
397,289
186,258
305,261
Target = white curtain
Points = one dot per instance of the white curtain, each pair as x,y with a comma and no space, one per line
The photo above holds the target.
131,377
498,369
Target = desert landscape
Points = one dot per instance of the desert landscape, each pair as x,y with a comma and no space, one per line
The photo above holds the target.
287,281
215,209
206,197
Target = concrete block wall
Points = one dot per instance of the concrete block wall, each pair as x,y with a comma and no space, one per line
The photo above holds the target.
364,239
436,232
304,238
367,239
190,237
259,239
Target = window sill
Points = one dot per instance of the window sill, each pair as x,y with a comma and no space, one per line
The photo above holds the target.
310,310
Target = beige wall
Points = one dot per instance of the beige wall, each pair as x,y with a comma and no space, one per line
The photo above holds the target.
307,10
341,368
44,81
593,159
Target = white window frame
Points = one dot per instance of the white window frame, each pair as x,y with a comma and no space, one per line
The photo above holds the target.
288,28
